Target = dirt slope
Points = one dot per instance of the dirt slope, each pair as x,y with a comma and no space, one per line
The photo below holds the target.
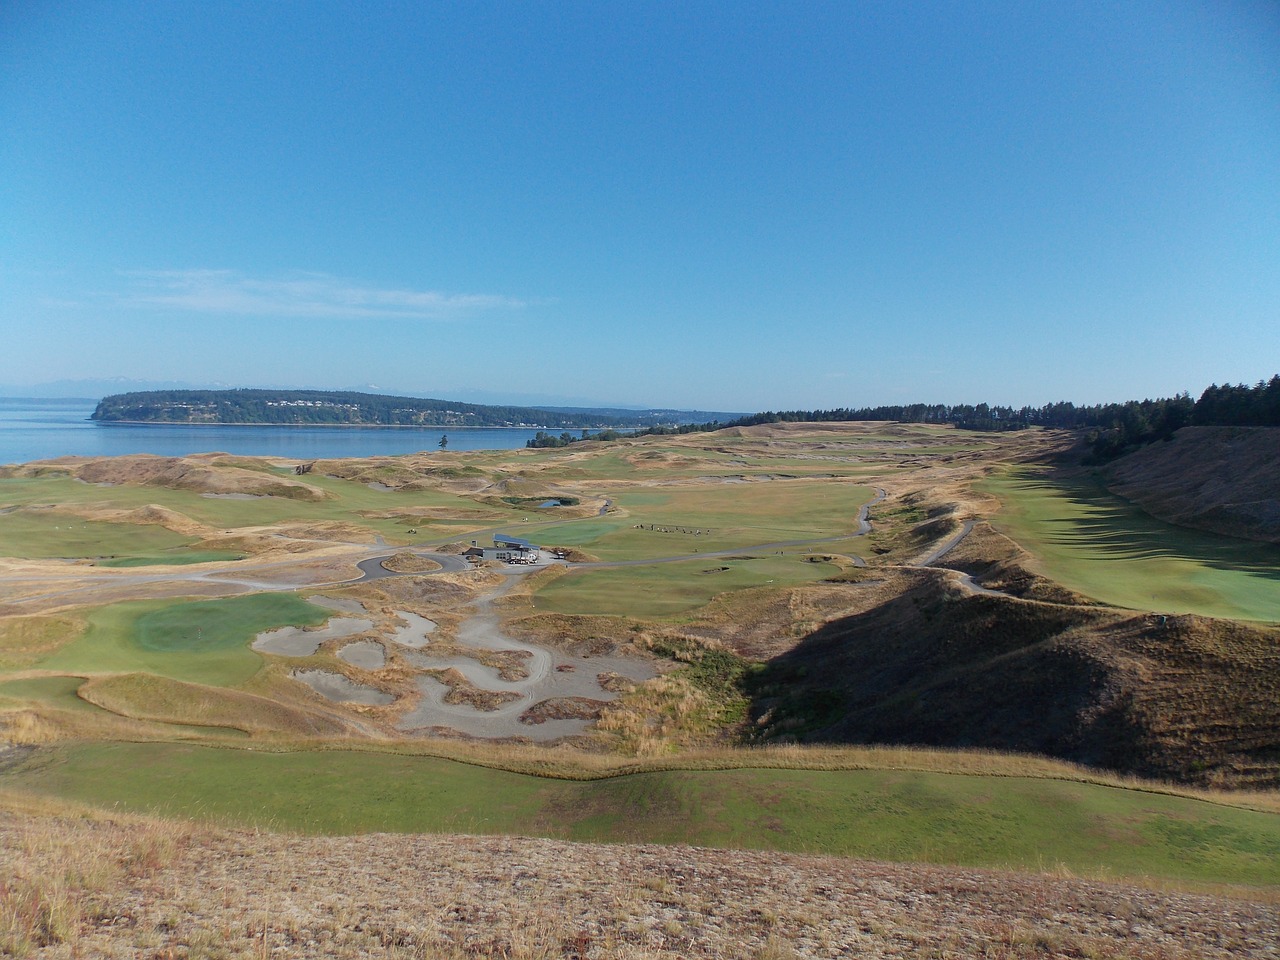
237,894
1222,479
1183,698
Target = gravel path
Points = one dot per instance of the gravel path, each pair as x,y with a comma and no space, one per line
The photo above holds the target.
964,580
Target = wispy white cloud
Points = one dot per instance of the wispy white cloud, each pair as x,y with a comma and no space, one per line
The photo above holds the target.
299,295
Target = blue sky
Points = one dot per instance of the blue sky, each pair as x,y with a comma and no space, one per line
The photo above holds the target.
728,206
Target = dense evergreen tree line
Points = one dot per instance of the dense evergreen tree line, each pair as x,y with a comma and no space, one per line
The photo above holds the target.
1240,406
1114,428
544,439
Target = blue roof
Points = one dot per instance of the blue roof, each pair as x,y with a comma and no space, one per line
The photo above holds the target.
505,541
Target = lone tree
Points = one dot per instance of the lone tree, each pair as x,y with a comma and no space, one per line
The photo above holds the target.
444,440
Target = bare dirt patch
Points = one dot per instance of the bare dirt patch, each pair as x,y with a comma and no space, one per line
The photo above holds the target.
463,691
563,708
159,890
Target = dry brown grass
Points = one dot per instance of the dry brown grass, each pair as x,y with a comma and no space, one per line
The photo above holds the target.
560,631
59,875
1220,479
28,727
150,514
160,699
406,562
130,887
1001,564
463,691
203,474
27,640
762,622
659,717
44,724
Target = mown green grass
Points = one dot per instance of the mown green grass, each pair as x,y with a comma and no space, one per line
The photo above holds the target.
1104,547
1014,822
670,589
42,535
53,691
204,641
676,522
173,558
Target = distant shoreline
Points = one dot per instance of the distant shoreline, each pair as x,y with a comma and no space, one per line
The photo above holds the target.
348,426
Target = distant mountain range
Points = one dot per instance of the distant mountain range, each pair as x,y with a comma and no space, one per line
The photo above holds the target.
92,389
347,408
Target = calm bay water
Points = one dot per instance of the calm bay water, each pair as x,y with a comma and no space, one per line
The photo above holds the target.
41,429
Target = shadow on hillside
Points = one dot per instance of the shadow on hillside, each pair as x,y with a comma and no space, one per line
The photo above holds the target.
1119,529
940,670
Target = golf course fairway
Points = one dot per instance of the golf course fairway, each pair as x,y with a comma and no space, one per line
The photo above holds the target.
1017,822
1100,545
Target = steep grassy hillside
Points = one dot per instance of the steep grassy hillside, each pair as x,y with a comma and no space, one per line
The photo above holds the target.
1222,479
1186,698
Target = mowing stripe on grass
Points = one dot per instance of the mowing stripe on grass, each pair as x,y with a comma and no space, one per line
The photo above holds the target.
1104,547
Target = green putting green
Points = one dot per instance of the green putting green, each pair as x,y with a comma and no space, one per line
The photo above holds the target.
204,641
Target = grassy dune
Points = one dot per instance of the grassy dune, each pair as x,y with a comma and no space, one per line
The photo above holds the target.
900,815
147,697
1104,547
348,500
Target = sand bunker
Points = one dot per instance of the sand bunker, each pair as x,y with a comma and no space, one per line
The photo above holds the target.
551,675
296,642
334,686
414,634
553,679
365,654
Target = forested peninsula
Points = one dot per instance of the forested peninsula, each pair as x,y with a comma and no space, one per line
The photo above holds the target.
330,408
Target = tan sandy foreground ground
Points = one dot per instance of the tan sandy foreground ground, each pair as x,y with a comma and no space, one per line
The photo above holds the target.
166,891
